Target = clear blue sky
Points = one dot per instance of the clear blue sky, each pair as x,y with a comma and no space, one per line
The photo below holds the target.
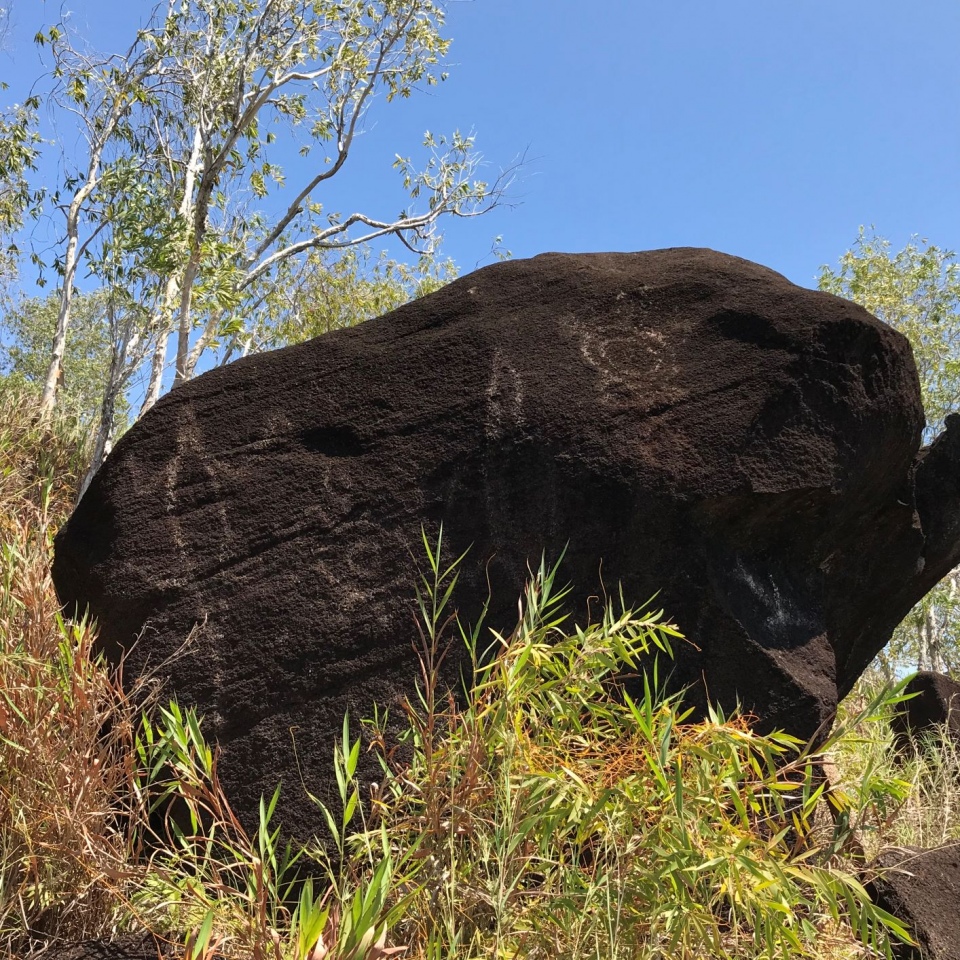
764,128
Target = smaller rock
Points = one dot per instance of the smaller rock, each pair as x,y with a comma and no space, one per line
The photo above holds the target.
937,702
922,889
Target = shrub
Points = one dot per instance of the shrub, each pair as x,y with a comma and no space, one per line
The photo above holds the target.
553,815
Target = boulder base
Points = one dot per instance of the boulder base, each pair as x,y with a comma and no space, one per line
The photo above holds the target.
679,420
922,888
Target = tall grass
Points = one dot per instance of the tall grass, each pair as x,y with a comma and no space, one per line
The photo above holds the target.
556,816
66,845
921,805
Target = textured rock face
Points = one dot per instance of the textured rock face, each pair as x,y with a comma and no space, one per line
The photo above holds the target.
936,701
130,948
922,888
691,420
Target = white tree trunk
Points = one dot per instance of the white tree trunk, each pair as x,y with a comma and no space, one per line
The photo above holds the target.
930,642
48,399
183,371
104,438
174,283
157,366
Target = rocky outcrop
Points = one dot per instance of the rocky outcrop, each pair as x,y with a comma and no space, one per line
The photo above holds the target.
922,889
934,705
680,420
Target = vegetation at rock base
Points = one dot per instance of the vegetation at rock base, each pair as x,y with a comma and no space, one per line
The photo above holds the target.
547,816
66,850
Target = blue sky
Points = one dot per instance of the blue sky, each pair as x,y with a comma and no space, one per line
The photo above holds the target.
764,128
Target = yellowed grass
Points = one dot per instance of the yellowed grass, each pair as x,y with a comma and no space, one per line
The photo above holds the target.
65,846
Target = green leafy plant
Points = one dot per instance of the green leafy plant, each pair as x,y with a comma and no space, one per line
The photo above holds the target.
223,892
916,796
554,814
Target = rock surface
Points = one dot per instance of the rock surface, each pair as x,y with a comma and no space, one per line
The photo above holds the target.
133,947
922,888
936,702
691,420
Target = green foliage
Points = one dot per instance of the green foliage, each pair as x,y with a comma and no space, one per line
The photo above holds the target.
238,895
920,804
555,815
18,154
929,636
28,328
19,144
917,291
339,291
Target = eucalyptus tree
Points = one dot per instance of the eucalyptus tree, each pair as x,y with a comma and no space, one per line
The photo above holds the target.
111,98
255,76
175,203
917,291
129,260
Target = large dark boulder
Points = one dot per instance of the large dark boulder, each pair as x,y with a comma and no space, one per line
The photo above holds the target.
934,706
922,889
693,422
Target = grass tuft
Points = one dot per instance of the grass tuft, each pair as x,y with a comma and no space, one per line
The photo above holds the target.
66,838
921,803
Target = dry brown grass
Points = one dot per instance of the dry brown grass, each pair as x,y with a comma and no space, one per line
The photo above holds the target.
65,731
920,805
930,815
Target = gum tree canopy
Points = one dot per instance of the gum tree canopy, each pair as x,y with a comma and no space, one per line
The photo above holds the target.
173,200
